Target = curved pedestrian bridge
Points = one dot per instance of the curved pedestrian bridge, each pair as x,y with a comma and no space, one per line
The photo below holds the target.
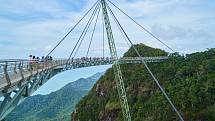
18,72
20,78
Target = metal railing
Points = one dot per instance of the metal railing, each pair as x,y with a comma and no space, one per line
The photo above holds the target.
13,66
13,69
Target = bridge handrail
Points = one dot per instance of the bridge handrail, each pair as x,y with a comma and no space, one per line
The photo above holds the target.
146,58
3,61
12,65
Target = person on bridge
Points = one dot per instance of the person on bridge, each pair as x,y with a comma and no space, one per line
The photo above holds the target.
30,63
34,63
42,61
46,61
51,59
38,62
37,59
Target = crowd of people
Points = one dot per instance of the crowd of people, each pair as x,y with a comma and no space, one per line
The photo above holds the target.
37,62
91,59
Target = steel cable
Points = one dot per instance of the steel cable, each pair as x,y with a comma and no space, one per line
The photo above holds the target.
146,30
86,30
82,34
147,67
72,29
94,28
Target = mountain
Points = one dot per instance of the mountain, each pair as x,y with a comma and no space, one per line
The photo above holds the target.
56,105
189,81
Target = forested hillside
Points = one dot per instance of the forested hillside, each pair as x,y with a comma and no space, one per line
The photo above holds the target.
189,81
56,106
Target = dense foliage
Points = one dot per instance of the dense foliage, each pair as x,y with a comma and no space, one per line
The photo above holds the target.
56,106
188,80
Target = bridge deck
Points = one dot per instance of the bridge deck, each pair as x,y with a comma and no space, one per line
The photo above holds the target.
13,73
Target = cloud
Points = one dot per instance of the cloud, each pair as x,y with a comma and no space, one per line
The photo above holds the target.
37,25
186,39
48,48
169,32
6,43
186,26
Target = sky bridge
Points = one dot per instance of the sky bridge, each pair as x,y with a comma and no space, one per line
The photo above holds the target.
20,78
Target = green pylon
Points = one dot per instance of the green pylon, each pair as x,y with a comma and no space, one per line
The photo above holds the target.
116,66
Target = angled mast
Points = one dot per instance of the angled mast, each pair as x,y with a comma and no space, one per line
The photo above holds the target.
116,66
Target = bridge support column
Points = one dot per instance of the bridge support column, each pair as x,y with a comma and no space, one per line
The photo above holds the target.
21,71
116,66
7,76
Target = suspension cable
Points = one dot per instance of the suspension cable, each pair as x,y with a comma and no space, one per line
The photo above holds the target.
143,28
147,67
86,31
83,32
94,28
94,11
72,28
128,44
103,36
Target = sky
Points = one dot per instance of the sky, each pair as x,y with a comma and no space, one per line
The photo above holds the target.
61,79
36,26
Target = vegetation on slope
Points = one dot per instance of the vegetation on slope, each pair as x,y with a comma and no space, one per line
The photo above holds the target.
56,106
188,80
